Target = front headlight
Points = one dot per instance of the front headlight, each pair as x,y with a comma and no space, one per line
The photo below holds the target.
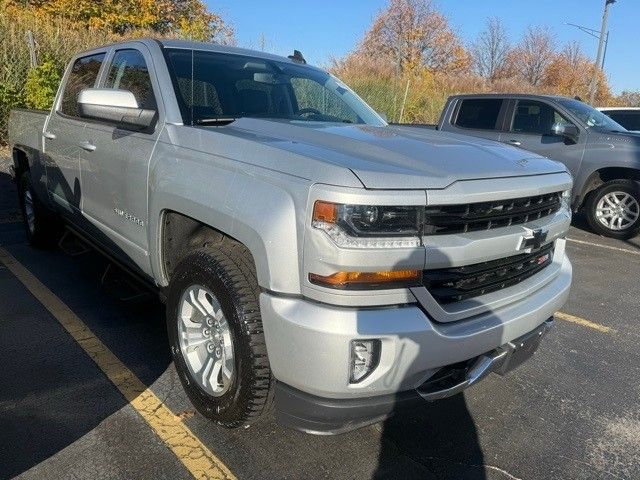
369,226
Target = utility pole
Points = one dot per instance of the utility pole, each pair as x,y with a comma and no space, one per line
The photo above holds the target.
593,89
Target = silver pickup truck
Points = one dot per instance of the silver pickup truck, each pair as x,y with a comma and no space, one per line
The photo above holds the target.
312,258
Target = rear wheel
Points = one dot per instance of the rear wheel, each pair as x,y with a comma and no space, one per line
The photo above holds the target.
41,226
613,209
216,336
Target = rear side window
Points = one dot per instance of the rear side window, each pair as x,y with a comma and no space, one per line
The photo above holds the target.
128,71
83,75
479,113
629,120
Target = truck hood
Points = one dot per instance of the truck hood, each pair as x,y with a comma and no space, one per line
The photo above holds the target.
397,158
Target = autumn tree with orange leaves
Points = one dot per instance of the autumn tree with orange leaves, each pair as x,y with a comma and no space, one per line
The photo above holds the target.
410,60
187,18
411,34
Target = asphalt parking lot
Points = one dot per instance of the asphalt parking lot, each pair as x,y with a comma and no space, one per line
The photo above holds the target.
572,412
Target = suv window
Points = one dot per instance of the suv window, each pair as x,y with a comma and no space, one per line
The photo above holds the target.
629,120
479,113
128,71
531,116
84,73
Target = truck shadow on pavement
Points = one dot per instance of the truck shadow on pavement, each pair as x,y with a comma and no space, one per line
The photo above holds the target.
51,392
439,439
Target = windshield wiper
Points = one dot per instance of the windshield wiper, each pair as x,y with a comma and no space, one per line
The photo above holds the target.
216,121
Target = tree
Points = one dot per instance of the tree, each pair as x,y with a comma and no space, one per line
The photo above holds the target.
534,54
491,49
569,73
412,34
187,18
629,98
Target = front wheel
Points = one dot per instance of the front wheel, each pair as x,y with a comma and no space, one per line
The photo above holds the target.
613,210
216,336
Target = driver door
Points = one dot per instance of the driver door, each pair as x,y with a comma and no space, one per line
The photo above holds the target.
114,162
531,128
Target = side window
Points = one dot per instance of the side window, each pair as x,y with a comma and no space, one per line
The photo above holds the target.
629,120
479,113
128,71
83,75
535,117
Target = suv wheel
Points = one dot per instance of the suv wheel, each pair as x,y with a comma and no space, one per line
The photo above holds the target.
40,224
216,336
613,209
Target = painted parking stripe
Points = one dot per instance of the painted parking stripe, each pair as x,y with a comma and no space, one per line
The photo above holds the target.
585,323
193,454
608,247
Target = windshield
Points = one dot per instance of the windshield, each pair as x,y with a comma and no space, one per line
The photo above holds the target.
217,87
591,116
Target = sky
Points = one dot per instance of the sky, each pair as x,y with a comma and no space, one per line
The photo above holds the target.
331,28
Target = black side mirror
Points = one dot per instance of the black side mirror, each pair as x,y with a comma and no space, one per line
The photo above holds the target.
567,131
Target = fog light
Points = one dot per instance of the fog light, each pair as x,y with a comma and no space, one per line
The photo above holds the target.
365,355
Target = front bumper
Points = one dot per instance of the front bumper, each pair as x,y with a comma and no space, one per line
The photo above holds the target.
309,343
311,414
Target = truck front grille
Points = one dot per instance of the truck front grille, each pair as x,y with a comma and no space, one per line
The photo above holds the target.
454,284
471,217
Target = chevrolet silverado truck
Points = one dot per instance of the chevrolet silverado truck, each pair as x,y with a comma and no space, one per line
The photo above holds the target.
602,156
315,261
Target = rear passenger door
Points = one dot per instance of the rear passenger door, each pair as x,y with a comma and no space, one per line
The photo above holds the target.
479,117
115,160
530,126
63,133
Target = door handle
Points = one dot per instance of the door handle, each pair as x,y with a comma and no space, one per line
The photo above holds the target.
88,146
49,135
516,143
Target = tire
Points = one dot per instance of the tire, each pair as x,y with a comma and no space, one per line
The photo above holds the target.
41,225
602,216
228,284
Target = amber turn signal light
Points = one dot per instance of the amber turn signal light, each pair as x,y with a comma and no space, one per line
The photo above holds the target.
325,212
366,280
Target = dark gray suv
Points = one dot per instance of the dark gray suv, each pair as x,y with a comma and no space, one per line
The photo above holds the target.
602,156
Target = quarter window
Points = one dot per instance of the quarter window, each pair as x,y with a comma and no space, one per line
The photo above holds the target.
479,113
128,71
84,73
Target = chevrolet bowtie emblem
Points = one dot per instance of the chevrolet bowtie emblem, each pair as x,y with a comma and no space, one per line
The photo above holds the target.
533,240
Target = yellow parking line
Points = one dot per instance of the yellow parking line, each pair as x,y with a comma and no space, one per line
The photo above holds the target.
583,322
193,454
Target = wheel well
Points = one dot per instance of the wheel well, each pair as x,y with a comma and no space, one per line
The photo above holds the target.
181,235
604,175
20,162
